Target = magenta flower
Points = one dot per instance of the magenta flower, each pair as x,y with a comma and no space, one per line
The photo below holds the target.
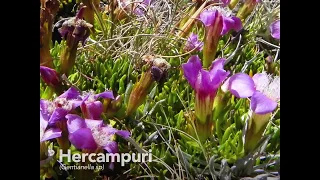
141,7
212,18
262,88
47,133
275,29
49,76
225,2
264,91
76,29
205,83
217,23
91,108
92,134
57,109
193,43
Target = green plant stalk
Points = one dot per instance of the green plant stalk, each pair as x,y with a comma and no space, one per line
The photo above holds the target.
203,111
68,58
256,126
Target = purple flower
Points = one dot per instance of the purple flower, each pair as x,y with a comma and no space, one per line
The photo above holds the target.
47,134
141,7
202,81
92,134
262,88
137,7
49,76
211,18
91,108
205,83
57,109
193,43
225,2
275,29
217,23
264,91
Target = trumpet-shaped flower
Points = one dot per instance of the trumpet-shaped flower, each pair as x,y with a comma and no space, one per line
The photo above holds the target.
73,31
218,22
262,88
205,84
264,91
92,134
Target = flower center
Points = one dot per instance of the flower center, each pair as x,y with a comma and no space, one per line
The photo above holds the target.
222,10
59,103
270,87
91,97
101,136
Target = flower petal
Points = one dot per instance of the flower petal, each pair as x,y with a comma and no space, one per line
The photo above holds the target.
191,69
106,94
231,23
225,2
275,29
50,134
216,65
203,85
58,115
261,81
241,85
261,104
49,76
139,10
93,123
146,2
217,72
44,105
83,139
75,103
75,122
193,43
208,17
123,133
225,85
43,121
94,110
71,93
112,147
